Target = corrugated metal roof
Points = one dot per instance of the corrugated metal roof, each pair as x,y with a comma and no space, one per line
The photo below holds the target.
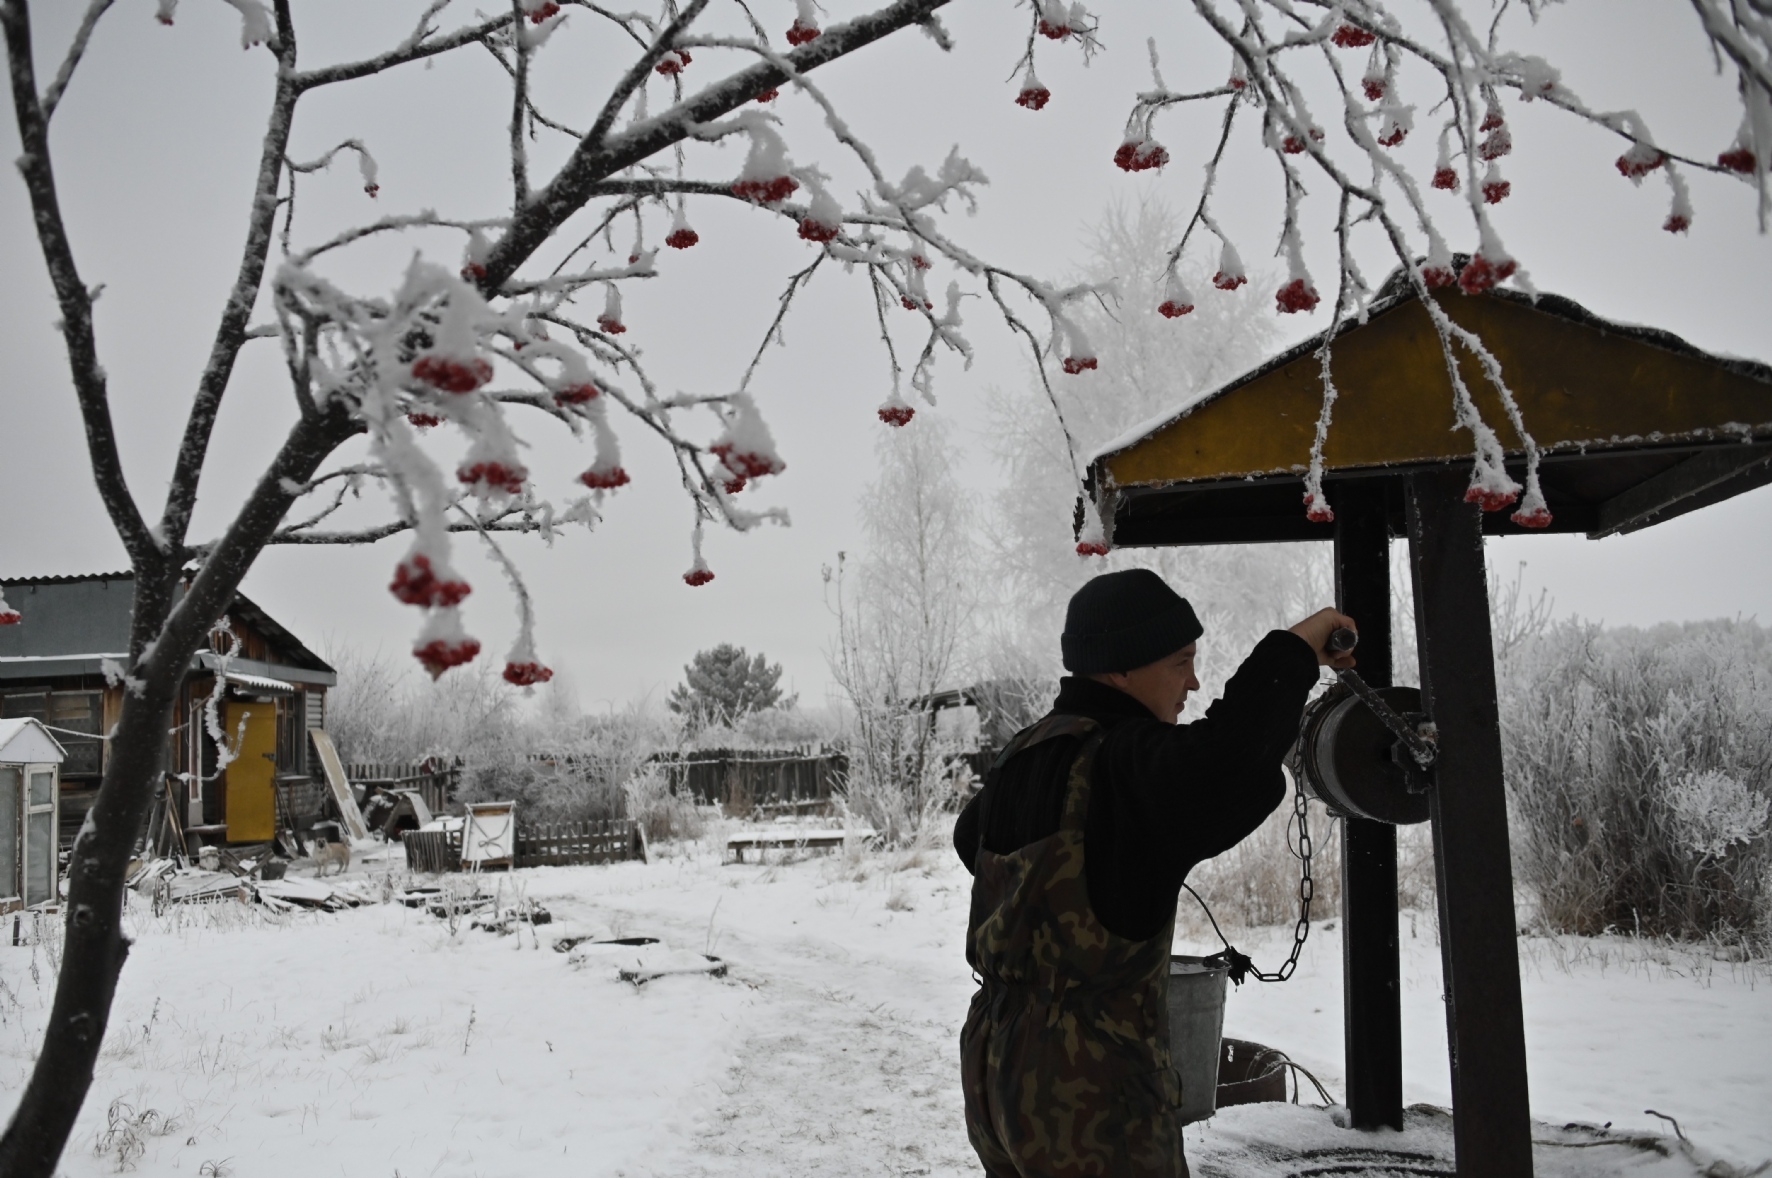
69,579
67,616
260,683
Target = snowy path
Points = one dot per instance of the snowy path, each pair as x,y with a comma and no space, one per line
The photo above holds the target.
848,1062
375,1043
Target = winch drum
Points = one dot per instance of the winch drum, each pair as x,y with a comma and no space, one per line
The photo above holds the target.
1347,759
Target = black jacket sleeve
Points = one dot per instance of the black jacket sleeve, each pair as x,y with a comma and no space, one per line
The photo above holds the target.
966,833
1167,797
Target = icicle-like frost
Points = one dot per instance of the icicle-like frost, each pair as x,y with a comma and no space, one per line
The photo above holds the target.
442,643
1177,299
699,573
1679,213
256,27
1316,505
1092,539
746,447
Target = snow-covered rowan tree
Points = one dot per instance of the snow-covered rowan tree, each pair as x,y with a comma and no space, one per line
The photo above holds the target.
521,316
905,621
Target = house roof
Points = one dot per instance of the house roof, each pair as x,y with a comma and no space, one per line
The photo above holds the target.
1635,425
27,742
73,625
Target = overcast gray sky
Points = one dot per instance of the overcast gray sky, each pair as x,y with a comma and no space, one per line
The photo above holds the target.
156,144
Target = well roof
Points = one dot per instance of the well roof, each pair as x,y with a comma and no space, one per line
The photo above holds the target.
1635,424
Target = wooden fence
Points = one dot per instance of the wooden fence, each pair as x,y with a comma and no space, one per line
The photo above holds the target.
539,844
432,851
740,780
559,844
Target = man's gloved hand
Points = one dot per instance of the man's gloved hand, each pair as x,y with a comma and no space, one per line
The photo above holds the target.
1316,630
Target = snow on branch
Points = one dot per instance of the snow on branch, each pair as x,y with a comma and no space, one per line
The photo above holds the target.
1276,45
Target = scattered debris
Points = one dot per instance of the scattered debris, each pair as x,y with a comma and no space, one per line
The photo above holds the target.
507,919
568,943
675,963
165,882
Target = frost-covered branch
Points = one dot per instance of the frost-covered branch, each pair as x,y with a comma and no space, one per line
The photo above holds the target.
421,44
77,49
600,156
230,335
72,295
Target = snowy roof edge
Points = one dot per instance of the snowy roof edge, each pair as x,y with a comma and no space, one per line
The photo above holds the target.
1394,293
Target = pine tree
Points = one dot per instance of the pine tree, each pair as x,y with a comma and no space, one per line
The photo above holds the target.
727,682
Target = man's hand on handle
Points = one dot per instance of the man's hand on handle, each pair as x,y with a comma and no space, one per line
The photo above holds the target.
1316,630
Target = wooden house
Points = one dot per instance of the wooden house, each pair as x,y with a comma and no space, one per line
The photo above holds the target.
257,683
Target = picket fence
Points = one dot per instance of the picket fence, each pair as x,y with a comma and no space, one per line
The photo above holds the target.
539,844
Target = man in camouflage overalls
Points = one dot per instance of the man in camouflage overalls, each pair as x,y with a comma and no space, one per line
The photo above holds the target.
1087,825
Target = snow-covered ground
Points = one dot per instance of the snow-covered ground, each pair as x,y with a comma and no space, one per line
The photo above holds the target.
375,1042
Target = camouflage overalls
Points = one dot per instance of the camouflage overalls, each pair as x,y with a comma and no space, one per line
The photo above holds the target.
1065,1053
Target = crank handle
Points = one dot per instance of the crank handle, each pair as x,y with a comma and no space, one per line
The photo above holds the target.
1421,745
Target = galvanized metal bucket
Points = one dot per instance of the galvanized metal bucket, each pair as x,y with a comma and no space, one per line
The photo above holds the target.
1196,1021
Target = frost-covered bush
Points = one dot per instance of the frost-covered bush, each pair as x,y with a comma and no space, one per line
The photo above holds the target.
1639,770
770,728
660,810
382,712
557,764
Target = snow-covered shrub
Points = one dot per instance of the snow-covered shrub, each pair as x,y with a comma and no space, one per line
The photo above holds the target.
565,773
661,811
557,764
381,711
1638,769
1713,812
770,728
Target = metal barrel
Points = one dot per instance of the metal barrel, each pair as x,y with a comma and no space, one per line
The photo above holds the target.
1196,1022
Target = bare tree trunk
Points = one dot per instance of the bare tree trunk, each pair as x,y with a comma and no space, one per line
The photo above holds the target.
94,947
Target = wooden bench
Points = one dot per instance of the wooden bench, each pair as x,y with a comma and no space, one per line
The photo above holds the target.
787,840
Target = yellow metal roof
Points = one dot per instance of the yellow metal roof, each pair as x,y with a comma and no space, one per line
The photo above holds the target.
1581,384
1611,406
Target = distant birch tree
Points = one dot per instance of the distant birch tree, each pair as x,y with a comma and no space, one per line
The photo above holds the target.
906,612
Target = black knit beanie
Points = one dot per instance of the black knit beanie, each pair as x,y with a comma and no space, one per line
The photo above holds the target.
1120,621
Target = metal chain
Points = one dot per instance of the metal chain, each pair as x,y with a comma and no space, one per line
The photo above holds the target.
1240,965
1306,888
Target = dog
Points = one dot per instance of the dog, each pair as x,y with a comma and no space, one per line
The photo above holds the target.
337,854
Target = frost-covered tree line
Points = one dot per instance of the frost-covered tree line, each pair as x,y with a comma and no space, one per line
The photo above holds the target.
516,314
1639,774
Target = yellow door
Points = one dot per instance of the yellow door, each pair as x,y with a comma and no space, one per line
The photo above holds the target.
252,792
